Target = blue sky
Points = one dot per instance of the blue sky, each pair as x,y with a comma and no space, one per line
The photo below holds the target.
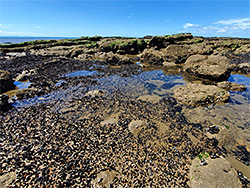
75,18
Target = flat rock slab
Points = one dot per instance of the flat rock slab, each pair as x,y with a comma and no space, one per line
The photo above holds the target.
114,118
95,93
217,173
103,179
7,179
150,98
201,95
231,86
215,68
135,126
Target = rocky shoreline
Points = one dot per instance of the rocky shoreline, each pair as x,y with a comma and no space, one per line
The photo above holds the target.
103,138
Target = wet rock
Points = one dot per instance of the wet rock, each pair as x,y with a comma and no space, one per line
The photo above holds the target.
27,93
201,95
215,68
203,162
214,130
242,68
150,56
7,179
231,86
241,63
243,155
6,82
217,173
4,104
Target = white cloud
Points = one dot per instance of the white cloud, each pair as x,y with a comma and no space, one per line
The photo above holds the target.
221,30
188,25
168,21
230,27
243,23
233,21
16,33
38,27
3,26
131,16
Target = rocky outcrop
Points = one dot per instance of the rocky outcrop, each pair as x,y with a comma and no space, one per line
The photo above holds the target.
4,104
6,82
201,95
114,59
159,42
231,86
150,56
240,63
215,68
217,173
176,53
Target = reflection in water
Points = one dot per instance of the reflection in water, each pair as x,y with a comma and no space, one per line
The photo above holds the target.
60,83
240,97
22,85
81,73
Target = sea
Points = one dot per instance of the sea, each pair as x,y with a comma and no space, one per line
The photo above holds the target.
10,40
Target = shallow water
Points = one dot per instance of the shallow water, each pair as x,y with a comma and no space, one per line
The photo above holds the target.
22,85
81,73
153,85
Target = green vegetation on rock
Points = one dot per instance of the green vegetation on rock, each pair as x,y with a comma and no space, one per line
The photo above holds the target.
204,155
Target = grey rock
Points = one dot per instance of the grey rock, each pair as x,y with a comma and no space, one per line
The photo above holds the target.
201,95
215,68
151,56
231,86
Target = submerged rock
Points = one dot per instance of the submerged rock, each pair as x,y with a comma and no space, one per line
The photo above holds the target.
6,82
215,68
201,95
231,86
